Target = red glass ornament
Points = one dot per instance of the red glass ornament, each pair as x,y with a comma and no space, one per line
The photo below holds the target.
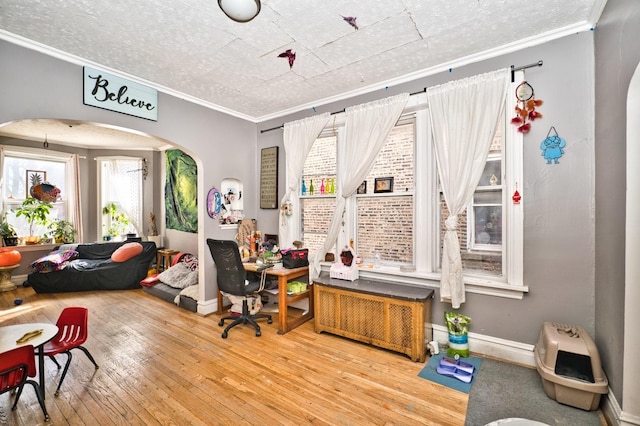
516,197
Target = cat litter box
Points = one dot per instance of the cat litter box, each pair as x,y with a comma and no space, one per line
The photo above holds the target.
569,364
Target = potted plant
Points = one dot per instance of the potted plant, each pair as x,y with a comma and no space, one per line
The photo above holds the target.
117,223
36,212
63,231
8,233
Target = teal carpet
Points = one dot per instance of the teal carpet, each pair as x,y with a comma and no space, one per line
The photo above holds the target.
429,372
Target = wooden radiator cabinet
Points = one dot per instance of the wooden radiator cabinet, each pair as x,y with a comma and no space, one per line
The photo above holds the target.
383,314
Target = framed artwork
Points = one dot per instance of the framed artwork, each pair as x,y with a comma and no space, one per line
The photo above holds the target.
34,177
383,185
362,189
269,178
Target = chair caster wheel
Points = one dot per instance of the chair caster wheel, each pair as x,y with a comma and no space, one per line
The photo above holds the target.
220,323
258,333
224,335
269,321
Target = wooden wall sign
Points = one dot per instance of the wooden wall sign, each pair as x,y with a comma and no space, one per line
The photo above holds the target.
269,178
108,91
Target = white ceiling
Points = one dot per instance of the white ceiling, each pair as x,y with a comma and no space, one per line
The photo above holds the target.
191,49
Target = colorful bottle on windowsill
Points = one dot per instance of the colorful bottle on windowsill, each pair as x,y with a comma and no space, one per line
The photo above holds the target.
304,188
322,187
311,187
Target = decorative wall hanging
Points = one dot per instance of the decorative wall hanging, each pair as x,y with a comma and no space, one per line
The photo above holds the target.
269,178
516,196
214,203
181,192
525,107
552,146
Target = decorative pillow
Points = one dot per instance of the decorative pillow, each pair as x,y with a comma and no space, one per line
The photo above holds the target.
179,276
126,252
54,261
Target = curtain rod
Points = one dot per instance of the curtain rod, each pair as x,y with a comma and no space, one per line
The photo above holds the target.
523,67
334,113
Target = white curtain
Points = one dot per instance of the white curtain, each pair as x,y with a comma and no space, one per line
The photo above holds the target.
366,130
464,117
75,215
299,137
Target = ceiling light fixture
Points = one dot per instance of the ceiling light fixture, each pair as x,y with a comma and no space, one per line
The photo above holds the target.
240,10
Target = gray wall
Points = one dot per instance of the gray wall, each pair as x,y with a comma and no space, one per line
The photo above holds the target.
617,56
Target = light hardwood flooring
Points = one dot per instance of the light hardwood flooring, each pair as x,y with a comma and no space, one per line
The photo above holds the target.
163,365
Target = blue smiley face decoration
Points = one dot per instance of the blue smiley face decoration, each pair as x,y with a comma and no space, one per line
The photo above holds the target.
552,146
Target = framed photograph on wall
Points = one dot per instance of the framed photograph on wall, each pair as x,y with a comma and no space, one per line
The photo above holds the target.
34,177
269,178
383,185
362,189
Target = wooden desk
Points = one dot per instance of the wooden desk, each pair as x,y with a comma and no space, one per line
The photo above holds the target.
284,300
10,333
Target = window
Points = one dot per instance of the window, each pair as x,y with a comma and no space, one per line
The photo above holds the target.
318,191
385,220
120,182
401,232
21,169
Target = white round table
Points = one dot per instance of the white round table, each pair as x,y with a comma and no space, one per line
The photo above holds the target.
9,334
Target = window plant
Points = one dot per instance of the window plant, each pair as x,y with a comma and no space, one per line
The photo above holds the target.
8,233
36,212
63,231
118,222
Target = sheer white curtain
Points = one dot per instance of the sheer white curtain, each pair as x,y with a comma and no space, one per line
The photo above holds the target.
464,117
299,137
366,129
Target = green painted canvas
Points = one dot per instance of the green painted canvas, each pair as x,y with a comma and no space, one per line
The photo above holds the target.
181,192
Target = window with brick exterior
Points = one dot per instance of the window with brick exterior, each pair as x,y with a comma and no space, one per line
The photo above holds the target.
390,230
385,220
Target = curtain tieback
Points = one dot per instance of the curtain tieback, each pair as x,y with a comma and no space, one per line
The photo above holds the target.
452,222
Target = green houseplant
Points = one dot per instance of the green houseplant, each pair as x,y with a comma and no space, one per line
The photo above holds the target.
8,233
36,212
63,231
117,223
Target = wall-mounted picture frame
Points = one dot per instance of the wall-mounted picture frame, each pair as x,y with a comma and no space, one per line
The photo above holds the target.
384,184
32,179
362,189
269,178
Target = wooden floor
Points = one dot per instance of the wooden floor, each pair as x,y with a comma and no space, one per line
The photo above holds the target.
162,365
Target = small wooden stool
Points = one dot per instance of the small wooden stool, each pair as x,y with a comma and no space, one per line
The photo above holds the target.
163,260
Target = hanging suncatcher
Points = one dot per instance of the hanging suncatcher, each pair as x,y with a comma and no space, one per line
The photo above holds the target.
525,107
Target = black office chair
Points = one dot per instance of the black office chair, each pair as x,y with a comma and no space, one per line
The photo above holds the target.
231,280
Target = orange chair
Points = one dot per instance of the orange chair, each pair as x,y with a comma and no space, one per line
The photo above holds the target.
16,366
72,333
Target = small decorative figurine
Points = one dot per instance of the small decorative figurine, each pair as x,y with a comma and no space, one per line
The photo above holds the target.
552,146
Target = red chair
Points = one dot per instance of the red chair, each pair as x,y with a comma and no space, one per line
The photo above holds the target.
72,333
16,366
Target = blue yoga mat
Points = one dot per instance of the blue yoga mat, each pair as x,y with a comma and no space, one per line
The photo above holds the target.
429,372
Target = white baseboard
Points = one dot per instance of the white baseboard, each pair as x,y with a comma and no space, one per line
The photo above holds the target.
508,350
208,307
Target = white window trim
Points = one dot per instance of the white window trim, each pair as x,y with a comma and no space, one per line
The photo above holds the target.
99,214
426,254
44,154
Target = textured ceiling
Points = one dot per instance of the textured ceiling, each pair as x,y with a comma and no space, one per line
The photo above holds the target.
190,48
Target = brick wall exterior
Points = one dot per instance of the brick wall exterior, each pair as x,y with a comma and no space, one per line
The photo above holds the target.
385,223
